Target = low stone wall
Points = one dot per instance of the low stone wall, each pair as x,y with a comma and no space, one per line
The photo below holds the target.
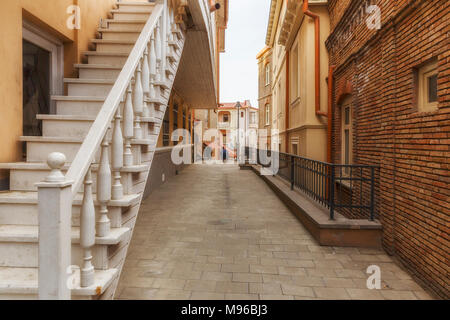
162,170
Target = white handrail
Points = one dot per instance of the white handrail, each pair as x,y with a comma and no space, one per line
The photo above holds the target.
94,138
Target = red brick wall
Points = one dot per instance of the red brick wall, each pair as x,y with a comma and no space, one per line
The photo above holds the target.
411,148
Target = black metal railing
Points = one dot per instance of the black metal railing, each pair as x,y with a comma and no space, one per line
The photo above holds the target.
349,190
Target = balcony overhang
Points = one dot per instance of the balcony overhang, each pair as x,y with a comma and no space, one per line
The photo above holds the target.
196,76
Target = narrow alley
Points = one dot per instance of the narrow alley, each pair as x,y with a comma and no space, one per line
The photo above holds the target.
216,232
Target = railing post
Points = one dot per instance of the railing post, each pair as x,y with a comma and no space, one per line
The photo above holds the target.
372,193
128,129
146,83
87,232
117,157
55,211
292,172
332,182
138,101
104,191
158,49
165,41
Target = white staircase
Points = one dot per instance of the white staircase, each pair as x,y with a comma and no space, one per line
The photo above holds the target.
107,128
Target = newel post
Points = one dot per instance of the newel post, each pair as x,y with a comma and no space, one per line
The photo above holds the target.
54,207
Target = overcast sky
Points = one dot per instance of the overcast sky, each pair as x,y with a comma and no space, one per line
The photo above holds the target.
245,37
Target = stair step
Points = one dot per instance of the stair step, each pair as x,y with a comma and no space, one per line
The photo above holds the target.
126,24
38,148
98,71
127,21
136,6
24,281
177,31
89,87
111,58
20,208
71,126
127,14
30,234
82,105
109,34
31,197
119,46
24,176
44,167
19,246
57,117
78,105
174,44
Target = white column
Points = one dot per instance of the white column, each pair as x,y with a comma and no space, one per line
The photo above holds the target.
55,211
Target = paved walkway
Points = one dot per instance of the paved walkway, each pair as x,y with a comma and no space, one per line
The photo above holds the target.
215,232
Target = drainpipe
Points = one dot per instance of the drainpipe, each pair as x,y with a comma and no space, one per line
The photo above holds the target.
288,99
317,54
330,112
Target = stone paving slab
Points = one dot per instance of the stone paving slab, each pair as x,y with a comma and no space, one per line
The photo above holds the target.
215,232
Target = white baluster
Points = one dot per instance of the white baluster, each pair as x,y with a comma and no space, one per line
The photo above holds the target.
128,129
152,59
117,157
158,48
104,190
165,43
146,82
138,101
153,72
87,232
169,29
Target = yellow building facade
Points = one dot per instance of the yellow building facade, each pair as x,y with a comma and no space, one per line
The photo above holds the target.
50,19
299,68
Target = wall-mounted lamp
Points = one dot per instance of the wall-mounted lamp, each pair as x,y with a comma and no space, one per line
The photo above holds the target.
214,6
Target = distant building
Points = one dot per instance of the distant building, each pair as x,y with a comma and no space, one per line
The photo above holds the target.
233,116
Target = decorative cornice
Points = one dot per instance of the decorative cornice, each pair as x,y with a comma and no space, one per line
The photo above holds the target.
273,7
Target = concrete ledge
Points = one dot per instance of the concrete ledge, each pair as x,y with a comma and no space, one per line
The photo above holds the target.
341,232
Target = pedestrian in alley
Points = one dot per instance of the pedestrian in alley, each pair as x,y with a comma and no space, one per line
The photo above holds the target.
224,154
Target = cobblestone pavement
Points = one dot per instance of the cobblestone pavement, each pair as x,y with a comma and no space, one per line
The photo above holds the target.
215,232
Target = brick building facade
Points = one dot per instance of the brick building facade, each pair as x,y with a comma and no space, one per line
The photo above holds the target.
391,102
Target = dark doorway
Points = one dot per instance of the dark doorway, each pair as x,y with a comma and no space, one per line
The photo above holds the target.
36,87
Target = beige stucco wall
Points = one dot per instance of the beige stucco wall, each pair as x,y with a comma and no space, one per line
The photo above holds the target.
304,126
50,16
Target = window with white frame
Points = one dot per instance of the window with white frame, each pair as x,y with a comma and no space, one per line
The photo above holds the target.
267,74
426,87
347,134
267,114
252,117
